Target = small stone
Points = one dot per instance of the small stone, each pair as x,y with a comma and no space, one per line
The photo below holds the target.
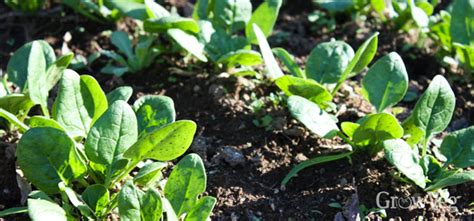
233,156
300,158
196,88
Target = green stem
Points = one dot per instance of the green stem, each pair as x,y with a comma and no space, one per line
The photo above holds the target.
345,138
45,111
425,147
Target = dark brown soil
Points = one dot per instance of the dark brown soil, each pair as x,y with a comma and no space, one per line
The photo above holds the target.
246,163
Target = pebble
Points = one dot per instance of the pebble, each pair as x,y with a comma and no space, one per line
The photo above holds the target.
233,156
300,158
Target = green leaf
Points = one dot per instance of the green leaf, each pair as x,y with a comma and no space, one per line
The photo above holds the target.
131,8
328,60
24,62
72,198
120,40
41,121
312,162
273,71
55,71
462,23
13,211
288,60
149,173
433,111
151,207
155,10
379,7
458,148
202,210
186,182
336,6
97,198
232,15
48,156
375,129
113,133
13,120
17,104
306,88
79,103
465,54
400,154
419,16
45,210
201,8
121,93
415,134
166,143
38,92
265,17
455,179
159,25
153,112
386,82
188,42
363,56
241,57
349,128
129,202
315,119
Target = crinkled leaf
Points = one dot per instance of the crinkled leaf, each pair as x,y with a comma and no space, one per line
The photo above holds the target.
153,112
328,60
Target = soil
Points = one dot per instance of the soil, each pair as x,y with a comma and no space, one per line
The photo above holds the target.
245,163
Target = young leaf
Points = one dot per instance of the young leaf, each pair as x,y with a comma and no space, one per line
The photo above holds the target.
455,179
241,57
166,143
400,154
129,202
186,182
232,15
349,128
202,210
24,61
462,23
55,71
458,148
160,25
121,93
415,134
288,61
265,17
122,42
80,100
151,206
386,82
13,120
188,42
315,119
41,121
433,111
44,210
47,156
153,112
97,198
376,129
113,133
328,60
312,162
363,56
306,88
273,70
149,173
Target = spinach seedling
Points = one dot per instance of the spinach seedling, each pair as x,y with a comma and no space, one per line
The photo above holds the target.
34,70
136,58
81,160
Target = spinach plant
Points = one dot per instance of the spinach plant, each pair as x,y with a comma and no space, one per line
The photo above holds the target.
81,159
136,58
33,70
453,32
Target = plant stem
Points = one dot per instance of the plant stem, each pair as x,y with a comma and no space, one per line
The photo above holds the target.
425,147
45,111
345,138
